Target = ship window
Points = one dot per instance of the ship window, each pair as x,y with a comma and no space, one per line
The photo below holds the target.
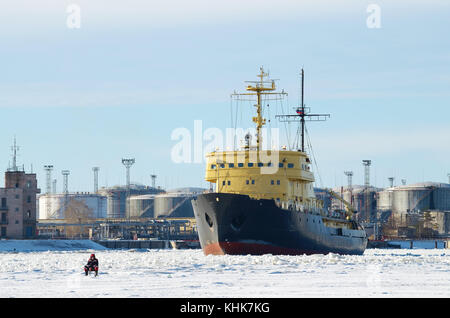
278,182
280,165
231,165
253,181
269,164
240,164
247,182
250,164
260,164
223,182
229,182
213,166
272,182
222,165
290,165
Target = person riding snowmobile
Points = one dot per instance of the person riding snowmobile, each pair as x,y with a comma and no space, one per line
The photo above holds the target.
92,265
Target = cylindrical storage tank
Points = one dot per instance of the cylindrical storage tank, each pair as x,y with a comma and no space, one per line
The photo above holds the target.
94,204
385,199
114,205
174,205
50,206
141,206
441,197
411,198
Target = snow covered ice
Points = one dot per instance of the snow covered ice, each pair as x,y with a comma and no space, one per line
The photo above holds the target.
189,273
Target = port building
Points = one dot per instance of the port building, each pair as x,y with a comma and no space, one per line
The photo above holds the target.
18,205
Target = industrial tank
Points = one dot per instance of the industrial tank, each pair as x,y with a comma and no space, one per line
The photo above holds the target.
176,203
95,203
408,203
385,199
141,206
421,196
117,198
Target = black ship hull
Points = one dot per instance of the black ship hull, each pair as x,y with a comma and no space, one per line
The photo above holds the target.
236,224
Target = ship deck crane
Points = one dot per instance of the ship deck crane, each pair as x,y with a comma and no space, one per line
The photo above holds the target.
350,211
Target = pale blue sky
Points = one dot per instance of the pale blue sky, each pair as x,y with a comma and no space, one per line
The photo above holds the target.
136,70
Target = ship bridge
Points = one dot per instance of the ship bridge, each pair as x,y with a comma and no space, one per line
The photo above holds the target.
279,175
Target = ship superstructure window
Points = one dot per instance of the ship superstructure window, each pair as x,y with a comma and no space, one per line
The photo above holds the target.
250,164
260,164
223,182
269,164
229,182
213,166
240,165
231,165
280,165
222,165
253,181
247,182
272,182
290,165
278,182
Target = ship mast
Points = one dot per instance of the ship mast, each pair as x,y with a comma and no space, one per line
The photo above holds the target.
302,115
260,88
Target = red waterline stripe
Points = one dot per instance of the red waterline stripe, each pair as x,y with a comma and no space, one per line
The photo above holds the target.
239,248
